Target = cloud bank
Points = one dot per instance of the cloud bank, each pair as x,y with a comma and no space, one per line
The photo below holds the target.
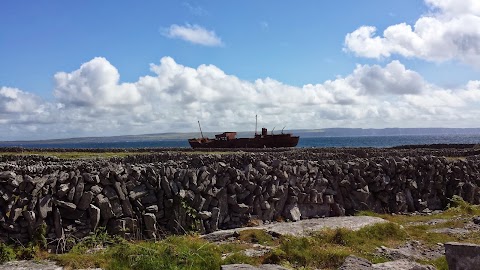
91,101
450,31
193,34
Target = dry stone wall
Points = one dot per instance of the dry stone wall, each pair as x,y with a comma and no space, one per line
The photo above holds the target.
147,195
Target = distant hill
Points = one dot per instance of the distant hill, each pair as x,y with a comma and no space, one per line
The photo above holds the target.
352,132
303,133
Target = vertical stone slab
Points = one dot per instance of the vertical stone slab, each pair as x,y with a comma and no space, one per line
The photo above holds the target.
150,225
57,223
94,216
462,256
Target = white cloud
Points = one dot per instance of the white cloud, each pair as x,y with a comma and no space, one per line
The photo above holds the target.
456,7
450,32
91,101
13,100
95,83
193,33
394,78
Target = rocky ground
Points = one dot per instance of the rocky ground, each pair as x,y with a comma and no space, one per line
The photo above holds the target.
401,257
148,192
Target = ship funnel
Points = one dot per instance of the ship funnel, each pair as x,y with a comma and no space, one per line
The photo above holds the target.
264,132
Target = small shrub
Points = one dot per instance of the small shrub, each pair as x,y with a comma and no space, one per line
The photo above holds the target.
39,238
192,220
6,253
457,204
100,238
27,253
381,232
339,237
256,236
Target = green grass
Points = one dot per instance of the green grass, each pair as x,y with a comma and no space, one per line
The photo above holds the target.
75,154
6,253
440,263
174,252
257,237
103,155
329,248
240,257
326,249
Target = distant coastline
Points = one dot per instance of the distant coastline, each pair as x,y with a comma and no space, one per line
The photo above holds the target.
330,137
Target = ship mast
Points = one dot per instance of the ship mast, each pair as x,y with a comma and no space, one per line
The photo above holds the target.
200,129
255,124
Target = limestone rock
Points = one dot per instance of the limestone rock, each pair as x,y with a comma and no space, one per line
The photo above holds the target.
402,265
462,255
105,207
150,225
355,263
204,215
251,267
292,212
94,216
67,205
85,200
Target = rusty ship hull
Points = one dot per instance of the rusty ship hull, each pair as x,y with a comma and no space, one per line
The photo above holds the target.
228,140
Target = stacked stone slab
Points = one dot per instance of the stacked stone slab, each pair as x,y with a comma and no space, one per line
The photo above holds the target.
147,195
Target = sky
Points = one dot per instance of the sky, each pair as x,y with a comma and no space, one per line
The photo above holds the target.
104,68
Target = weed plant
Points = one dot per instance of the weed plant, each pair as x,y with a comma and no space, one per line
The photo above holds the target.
175,252
6,253
329,248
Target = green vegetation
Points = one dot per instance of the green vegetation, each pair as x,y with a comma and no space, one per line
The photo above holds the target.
39,239
329,248
257,237
103,155
325,249
74,154
6,253
175,252
440,263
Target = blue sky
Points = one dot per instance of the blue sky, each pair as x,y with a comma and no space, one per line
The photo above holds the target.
87,68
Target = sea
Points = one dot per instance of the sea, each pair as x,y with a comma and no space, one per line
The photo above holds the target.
306,142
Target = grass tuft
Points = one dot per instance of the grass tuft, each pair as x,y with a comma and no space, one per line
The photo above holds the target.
256,236
329,248
175,252
458,206
6,253
241,258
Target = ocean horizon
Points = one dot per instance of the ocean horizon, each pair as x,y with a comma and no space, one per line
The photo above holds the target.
305,142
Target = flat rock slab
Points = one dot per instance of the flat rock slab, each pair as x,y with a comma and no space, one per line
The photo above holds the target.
412,250
402,265
302,227
462,255
251,267
355,263
34,265
30,265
